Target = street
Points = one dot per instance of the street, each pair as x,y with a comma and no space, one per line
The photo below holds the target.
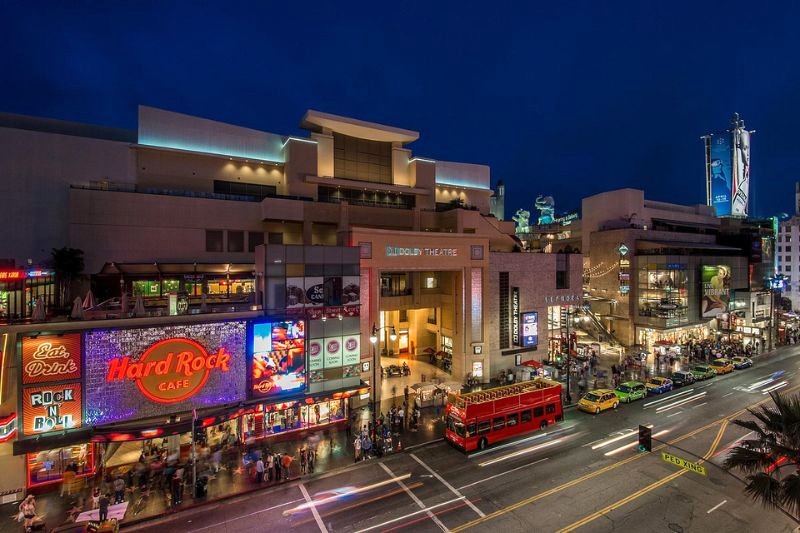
585,474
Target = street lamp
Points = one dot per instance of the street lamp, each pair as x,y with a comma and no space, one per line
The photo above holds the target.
373,338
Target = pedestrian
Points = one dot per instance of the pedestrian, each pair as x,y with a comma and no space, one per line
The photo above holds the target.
286,462
260,470
277,467
28,511
311,457
270,465
303,459
401,417
366,446
67,480
95,498
357,447
119,490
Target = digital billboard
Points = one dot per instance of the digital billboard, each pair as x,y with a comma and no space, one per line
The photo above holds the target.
721,174
277,362
157,371
716,292
530,329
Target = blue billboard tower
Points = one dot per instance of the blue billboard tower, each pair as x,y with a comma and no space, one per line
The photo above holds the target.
728,170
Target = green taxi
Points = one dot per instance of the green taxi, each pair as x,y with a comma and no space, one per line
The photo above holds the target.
630,391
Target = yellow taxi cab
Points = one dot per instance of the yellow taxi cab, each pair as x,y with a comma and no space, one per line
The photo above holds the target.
722,366
598,400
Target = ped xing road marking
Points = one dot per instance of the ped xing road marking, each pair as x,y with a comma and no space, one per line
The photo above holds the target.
683,463
313,508
649,488
612,466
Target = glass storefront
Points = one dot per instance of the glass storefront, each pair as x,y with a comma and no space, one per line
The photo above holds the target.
17,297
49,466
194,287
292,416
663,292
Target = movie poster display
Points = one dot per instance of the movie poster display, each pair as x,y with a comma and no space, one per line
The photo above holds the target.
721,173
278,361
156,371
716,290
530,329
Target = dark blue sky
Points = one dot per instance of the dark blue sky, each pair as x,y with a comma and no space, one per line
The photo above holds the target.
564,98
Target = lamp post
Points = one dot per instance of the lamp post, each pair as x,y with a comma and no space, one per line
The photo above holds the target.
375,340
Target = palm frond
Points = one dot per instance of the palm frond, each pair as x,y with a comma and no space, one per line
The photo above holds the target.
764,489
747,460
790,493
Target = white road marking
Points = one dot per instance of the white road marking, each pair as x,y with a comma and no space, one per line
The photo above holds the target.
699,405
414,497
683,401
634,443
671,397
313,508
775,387
675,413
720,504
503,473
531,449
726,395
615,439
409,515
238,518
448,485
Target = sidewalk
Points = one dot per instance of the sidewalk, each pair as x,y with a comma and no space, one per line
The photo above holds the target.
334,450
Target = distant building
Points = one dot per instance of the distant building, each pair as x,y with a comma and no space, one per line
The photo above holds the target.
497,203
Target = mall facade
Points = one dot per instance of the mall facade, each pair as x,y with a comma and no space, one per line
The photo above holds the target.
288,254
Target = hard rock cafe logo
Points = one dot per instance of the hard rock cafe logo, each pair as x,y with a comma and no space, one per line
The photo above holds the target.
170,370
50,360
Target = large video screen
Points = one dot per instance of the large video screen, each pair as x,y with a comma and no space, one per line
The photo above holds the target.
530,329
278,359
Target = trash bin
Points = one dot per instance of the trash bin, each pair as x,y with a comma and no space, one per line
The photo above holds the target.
201,487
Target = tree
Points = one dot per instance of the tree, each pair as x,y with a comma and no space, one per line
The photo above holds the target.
771,460
67,264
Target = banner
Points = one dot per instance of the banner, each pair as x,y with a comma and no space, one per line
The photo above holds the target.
721,173
315,360
333,352
715,290
352,350
740,190
530,329
50,358
351,290
315,291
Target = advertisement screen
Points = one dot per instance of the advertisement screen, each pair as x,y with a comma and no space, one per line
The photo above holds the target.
49,358
278,364
530,329
51,408
716,290
147,372
721,174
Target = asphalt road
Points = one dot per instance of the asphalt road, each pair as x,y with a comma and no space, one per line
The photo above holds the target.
583,475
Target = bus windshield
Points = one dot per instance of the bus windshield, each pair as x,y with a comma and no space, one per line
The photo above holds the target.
456,426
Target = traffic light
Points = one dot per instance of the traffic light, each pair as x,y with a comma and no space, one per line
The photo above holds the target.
645,439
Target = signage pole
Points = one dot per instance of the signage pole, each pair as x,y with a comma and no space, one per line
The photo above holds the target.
194,455
569,356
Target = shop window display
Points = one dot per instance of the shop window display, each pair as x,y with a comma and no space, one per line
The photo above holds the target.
281,418
663,292
48,467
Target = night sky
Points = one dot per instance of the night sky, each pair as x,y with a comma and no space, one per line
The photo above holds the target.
563,98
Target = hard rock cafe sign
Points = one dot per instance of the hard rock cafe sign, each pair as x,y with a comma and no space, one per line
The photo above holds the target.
170,370
51,358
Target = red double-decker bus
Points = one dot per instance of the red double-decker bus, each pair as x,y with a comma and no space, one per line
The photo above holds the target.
479,419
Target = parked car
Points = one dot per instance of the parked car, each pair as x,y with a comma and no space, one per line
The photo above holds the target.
740,363
598,400
681,378
701,372
722,366
630,391
658,385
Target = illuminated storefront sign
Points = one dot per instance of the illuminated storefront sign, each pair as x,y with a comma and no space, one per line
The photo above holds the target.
170,370
12,275
8,427
138,373
395,251
530,329
51,358
51,408
277,363
515,316
562,298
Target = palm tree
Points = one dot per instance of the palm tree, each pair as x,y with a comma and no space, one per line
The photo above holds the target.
67,264
771,460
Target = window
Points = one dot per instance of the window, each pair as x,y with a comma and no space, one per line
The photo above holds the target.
470,429
236,241
551,408
788,259
499,423
483,427
362,159
512,420
213,240
429,280
538,412
788,249
255,190
432,315
254,238
403,315
562,271
526,416
780,248
275,238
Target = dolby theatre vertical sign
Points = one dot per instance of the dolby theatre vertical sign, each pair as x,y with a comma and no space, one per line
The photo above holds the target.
515,316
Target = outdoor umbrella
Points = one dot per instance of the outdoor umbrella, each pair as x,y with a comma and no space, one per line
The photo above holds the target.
124,304
38,310
77,309
138,308
88,302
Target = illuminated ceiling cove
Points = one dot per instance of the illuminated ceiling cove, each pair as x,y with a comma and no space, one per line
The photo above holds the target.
462,175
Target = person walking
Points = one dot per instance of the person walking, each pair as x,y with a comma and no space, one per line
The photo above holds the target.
357,447
28,510
277,467
270,466
303,460
311,457
102,505
286,462
119,490
260,471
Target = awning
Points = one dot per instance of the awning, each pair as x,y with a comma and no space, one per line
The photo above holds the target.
174,269
532,363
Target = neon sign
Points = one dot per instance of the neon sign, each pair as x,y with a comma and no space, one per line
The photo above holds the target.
8,275
170,370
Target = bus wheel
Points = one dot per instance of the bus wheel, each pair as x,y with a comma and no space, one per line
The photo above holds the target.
543,425
482,444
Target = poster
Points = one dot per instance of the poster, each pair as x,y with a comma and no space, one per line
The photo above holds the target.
50,358
51,408
295,293
351,290
333,352
530,329
315,291
352,350
315,359
715,290
740,190
277,363
721,173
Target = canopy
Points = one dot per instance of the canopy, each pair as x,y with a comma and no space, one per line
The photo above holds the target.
532,363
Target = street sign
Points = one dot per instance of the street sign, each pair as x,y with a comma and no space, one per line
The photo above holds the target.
683,463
